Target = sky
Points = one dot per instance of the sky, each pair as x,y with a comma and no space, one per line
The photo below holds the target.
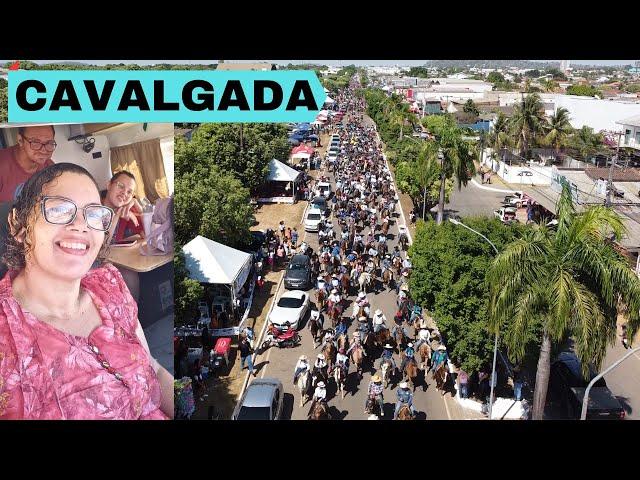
321,62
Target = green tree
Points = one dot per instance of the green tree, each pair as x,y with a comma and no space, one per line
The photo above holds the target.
187,291
585,142
572,281
500,137
3,101
527,122
449,280
558,130
212,204
583,91
495,78
470,107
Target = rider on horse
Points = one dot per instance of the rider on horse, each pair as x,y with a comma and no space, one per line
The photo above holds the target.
423,337
334,298
301,366
328,338
356,342
375,391
341,328
387,355
342,361
409,352
438,357
363,327
320,394
379,321
405,397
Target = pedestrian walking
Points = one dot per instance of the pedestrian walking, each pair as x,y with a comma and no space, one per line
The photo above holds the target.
245,355
463,380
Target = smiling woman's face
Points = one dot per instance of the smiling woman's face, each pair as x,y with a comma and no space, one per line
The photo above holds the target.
65,251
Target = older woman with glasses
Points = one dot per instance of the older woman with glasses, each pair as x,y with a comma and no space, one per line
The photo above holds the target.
71,346
31,154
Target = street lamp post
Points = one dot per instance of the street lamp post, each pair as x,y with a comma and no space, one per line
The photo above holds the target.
585,400
495,346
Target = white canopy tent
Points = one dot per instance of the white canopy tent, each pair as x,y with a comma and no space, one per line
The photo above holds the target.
213,262
329,100
303,155
281,172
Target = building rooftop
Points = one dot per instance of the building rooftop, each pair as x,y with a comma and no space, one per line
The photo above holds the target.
633,121
618,174
246,66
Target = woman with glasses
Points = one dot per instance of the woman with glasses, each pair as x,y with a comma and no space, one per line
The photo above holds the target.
31,154
71,346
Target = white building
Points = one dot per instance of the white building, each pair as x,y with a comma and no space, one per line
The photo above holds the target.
631,130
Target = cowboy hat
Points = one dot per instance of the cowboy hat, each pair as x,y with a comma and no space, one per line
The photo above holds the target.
405,274
376,378
387,345
362,319
404,385
334,291
373,416
356,334
303,357
378,312
362,295
410,344
321,356
321,384
404,287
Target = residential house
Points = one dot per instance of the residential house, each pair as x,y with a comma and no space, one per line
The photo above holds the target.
631,130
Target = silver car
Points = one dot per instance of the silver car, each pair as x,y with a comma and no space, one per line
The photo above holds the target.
262,400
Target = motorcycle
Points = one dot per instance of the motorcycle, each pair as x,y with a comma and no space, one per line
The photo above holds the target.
281,339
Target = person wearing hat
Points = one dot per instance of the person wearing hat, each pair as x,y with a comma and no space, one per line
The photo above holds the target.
342,361
363,327
335,283
375,391
396,252
438,357
379,321
385,264
328,338
321,282
334,298
387,356
404,397
356,342
409,352
423,337
320,393
301,366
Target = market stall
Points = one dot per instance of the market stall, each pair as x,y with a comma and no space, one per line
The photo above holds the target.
281,185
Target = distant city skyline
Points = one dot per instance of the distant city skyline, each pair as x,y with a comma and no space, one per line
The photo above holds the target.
390,63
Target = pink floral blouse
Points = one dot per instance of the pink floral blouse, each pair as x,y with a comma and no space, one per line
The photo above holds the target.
47,374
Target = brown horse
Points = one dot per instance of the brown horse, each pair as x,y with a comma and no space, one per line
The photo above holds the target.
405,413
385,228
425,355
345,283
399,338
382,336
397,264
330,352
316,332
357,355
319,411
343,341
335,314
387,277
440,376
411,373
321,299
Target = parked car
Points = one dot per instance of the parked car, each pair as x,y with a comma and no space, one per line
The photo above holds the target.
525,173
506,214
313,218
291,308
262,400
567,387
616,192
323,189
517,199
298,274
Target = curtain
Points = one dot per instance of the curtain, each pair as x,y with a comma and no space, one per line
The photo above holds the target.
144,161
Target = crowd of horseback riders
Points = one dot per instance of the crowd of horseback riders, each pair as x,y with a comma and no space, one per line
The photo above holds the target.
358,256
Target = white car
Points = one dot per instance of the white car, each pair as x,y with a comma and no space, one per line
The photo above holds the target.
323,189
313,218
506,214
517,199
290,309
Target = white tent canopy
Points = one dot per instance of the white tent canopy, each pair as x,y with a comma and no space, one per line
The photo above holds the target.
326,90
213,262
329,100
281,172
301,155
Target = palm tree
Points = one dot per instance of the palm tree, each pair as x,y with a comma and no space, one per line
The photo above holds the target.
527,121
456,159
500,137
570,282
426,170
586,142
558,130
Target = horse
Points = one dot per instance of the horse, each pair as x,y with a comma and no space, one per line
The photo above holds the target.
397,264
364,281
319,411
425,355
411,372
316,331
318,375
440,375
303,386
387,277
357,355
372,407
399,337
386,369
330,352
335,314
345,283
382,336
321,299
405,413
343,341
359,311
340,378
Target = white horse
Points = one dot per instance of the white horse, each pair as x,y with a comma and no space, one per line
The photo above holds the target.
364,281
384,368
303,386
339,379
356,310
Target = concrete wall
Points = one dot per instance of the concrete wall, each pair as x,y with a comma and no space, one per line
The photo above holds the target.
509,173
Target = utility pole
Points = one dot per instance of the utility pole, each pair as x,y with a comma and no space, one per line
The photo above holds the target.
614,159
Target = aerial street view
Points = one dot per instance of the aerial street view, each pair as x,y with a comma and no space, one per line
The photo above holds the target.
455,240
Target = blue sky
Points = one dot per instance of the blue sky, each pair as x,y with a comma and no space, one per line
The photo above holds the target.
323,62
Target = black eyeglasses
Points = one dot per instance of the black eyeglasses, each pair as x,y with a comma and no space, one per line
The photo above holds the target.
63,211
37,145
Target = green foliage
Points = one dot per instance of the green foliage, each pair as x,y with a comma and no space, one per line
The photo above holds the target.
3,101
210,202
420,72
556,73
187,291
633,88
535,73
243,150
495,78
470,107
449,267
586,142
583,91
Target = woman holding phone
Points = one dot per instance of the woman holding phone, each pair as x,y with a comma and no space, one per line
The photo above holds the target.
71,346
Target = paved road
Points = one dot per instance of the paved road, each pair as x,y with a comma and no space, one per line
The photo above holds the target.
280,363
473,200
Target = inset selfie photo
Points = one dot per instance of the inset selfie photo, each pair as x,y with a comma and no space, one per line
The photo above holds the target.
86,271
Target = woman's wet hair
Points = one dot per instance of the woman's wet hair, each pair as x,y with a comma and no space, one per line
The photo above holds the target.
25,210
